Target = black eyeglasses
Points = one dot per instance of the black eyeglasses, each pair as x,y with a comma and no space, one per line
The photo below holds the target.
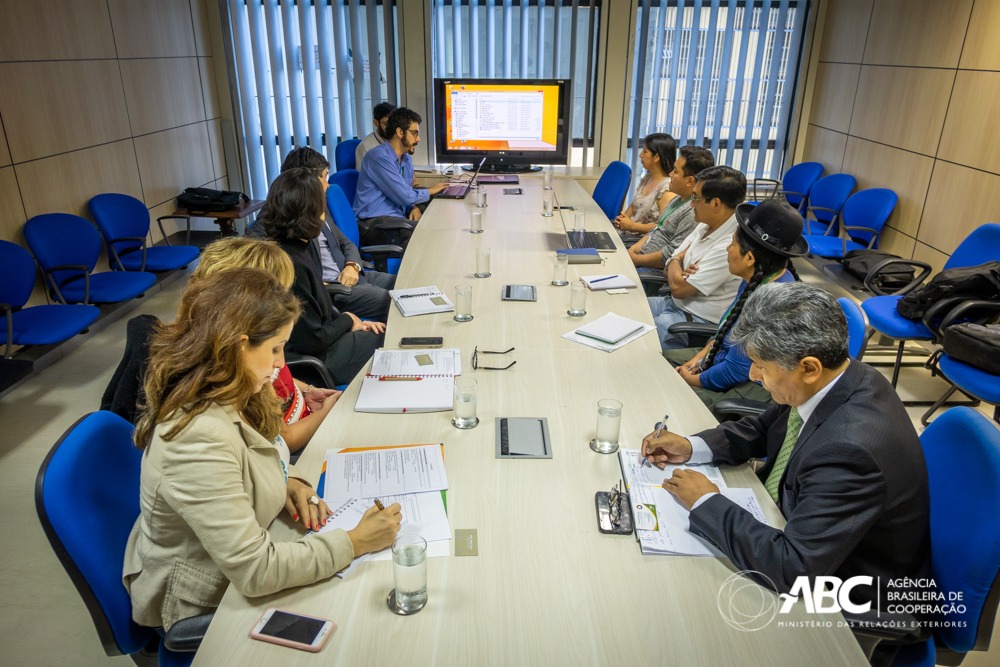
475,360
615,507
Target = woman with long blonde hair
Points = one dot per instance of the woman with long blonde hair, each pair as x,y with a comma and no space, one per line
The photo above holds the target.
213,477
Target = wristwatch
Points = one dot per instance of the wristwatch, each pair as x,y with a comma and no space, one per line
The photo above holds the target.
357,267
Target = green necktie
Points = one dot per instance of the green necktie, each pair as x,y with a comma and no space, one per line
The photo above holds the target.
791,435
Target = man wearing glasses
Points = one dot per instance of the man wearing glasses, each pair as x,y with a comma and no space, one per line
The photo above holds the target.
701,286
385,186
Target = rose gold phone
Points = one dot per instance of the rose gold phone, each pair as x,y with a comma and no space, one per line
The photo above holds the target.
306,633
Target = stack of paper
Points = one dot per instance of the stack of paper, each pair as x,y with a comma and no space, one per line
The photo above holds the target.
609,327
420,301
410,381
662,523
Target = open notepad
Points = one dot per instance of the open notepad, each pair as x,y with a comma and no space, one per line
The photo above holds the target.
612,281
609,332
420,301
410,381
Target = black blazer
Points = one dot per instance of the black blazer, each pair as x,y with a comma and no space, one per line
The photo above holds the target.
854,492
320,324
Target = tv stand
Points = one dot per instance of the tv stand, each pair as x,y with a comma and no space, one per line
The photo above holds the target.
502,168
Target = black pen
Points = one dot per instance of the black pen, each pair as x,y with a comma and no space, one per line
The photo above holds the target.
656,434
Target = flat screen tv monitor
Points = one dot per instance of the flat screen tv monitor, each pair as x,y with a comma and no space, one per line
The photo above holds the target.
514,123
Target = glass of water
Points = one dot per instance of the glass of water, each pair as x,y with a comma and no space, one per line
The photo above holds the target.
577,299
579,221
409,574
609,423
481,197
465,403
463,303
477,221
547,204
547,180
559,271
483,263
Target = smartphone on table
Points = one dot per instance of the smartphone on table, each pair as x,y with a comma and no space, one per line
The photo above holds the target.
421,341
307,633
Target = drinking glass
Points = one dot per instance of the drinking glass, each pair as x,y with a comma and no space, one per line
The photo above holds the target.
579,221
463,303
559,271
465,403
477,221
577,299
609,423
547,202
409,574
547,180
483,263
481,197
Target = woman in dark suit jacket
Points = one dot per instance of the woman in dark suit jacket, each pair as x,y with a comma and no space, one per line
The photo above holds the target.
293,216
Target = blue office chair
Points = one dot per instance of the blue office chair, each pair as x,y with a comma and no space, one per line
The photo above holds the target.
857,327
962,451
66,248
864,215
982,245
385,257
826,199
343,154
124,223
36,325
87,499
609,193
794,185
347,179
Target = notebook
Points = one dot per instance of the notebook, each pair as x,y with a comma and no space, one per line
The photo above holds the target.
613,281
602,241
610,329
420,301
581,255
460,190
393,394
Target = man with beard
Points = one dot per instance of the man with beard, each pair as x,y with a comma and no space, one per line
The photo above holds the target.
380,119
385,186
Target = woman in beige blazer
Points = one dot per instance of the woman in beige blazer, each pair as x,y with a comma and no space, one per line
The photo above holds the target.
213,477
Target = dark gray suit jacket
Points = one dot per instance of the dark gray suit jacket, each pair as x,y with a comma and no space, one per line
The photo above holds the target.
854,492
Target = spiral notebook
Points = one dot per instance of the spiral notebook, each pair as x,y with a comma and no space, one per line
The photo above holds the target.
410,381
420,301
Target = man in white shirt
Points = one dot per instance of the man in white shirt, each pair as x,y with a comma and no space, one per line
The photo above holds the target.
380,119
701,286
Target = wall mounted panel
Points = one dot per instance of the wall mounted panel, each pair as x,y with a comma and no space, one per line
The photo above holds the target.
152,29
208,89
971,133
826,147
834,98
917,33
162,93
172,160
55,30
896,242
845,31
959,200
215,143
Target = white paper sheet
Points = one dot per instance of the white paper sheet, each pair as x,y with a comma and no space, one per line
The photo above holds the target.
377,473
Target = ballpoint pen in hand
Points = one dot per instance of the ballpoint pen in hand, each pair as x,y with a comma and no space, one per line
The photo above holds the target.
660,427
378,504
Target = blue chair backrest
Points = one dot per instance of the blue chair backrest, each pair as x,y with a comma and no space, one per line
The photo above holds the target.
348,182
609,193
962,450
857,327
831,192
343,154
800,178
118,216
868,208
981,246
342,214
87,499
17,274
57,239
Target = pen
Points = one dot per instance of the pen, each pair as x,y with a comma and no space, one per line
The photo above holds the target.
660,426
378,504
397,378
601,280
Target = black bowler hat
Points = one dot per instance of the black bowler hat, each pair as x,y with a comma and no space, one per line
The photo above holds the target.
774,224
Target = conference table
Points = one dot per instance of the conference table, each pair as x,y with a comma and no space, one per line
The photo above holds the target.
546,588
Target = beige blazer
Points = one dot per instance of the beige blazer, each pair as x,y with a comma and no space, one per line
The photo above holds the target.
206,498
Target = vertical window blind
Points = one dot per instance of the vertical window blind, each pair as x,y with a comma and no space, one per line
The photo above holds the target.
720,74
308,73
524,39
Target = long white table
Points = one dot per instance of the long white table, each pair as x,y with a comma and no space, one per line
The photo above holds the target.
546,588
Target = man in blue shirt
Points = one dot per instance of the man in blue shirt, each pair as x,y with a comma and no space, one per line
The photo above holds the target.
385,185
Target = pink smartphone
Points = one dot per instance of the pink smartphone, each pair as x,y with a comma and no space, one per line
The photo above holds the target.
286,628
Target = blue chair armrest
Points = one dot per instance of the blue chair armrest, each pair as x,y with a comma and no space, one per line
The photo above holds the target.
693,328
393,225
187,218
69,267
386,249
740,407
186,635
114,251
336,289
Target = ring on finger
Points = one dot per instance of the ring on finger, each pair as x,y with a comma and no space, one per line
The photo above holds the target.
314,499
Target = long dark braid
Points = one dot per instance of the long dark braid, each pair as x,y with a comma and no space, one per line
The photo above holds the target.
767,263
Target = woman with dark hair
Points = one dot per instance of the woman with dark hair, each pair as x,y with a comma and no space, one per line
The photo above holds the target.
293,216
214,475
652,194
768,236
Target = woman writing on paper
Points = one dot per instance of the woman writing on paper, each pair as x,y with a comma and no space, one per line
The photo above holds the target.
293,216
652,194
214,475
768,236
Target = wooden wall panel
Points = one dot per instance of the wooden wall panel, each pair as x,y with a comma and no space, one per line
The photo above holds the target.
55,30
826,147
845,31
199,17
152,29
907,174
4,152
172,160
971,132
208,87
935,258
917,33
11,212
896,242
65,183
982,48
215,143
162,93
834,98
902,106
54,107
959,200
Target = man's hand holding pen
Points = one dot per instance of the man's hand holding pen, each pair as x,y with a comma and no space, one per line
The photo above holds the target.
666,448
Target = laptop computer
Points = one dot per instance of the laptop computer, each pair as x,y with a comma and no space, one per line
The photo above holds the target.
459,190
500,178
602,241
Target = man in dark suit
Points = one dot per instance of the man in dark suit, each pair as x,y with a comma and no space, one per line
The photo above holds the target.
844,464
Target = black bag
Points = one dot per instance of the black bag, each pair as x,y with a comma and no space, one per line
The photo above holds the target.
859,263
970,282
207,200
974,344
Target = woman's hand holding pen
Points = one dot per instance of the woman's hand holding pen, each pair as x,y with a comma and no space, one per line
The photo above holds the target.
376,530
667,448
